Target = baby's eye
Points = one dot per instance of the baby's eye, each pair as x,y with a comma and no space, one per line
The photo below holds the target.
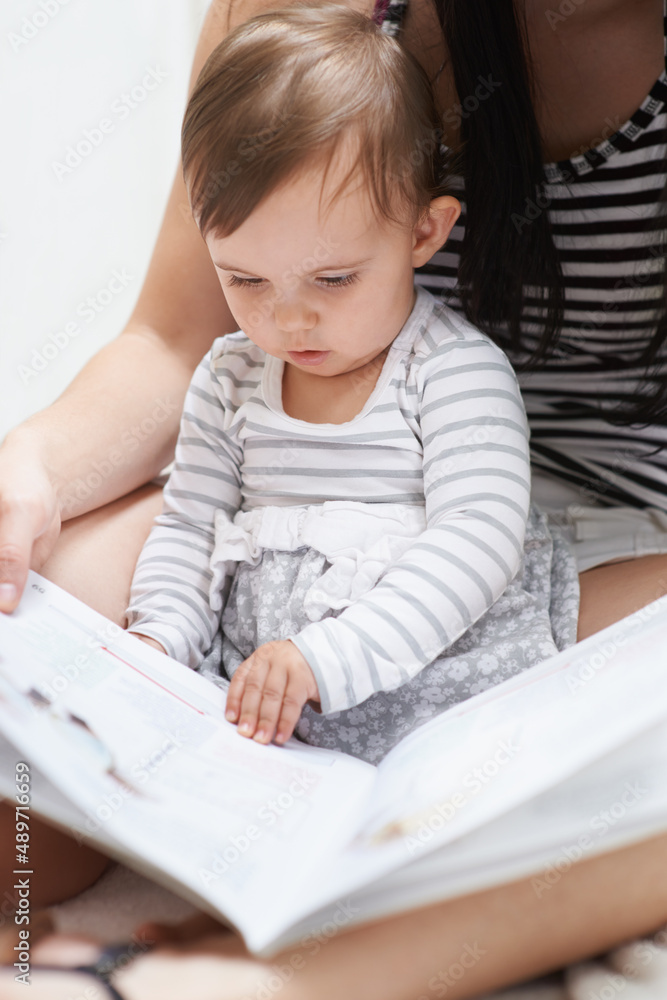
338,280
236,282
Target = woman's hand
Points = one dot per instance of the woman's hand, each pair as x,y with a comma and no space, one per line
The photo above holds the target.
29,520
269,690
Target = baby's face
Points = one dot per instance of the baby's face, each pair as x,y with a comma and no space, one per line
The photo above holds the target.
326,291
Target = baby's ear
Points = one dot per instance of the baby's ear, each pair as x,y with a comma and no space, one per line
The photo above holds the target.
433,229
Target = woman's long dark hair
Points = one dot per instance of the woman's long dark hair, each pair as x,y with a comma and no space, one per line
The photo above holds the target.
501,160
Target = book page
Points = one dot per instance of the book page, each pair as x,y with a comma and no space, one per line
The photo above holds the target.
52,804
269,836
510,743
140,746
619,800
498,750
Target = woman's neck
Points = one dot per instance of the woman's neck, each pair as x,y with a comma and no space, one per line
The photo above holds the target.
591,68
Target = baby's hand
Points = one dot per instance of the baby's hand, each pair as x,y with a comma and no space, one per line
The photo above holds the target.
268,691
151,642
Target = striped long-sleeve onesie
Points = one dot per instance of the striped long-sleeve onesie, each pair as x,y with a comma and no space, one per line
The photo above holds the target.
444,430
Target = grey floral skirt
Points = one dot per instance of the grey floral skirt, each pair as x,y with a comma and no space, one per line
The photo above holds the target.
535,617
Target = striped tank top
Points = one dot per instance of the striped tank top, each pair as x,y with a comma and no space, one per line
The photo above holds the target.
602,205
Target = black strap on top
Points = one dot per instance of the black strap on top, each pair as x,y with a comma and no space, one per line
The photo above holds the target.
110,960
100,977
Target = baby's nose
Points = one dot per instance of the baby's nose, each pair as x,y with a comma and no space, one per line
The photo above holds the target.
294,316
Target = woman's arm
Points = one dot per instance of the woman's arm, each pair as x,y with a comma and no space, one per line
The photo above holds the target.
115,427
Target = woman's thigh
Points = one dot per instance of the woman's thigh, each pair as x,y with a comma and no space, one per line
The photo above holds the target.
62,867
614,590
96,553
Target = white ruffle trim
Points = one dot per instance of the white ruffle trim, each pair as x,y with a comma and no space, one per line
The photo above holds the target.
360,540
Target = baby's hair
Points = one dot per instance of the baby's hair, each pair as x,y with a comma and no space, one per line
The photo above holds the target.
285,91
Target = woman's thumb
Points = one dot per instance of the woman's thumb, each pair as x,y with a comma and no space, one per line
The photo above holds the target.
16,540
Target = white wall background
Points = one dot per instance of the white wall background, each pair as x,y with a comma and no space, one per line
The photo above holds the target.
65,65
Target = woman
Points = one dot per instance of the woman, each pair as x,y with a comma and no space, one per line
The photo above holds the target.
592,64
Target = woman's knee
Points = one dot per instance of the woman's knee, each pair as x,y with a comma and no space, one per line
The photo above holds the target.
612,591
59,866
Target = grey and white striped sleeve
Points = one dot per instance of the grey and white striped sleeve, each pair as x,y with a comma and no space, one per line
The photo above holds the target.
477,490
169,598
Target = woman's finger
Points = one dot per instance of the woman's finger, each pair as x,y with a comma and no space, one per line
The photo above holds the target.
17,534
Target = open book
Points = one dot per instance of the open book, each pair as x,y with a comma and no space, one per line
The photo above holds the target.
130,751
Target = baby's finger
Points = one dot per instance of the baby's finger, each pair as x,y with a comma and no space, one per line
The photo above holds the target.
235,691
272,700
292,705
252,694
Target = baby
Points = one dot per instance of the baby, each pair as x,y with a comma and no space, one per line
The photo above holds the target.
346,517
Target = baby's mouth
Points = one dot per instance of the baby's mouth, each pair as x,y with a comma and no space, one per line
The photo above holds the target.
308,357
